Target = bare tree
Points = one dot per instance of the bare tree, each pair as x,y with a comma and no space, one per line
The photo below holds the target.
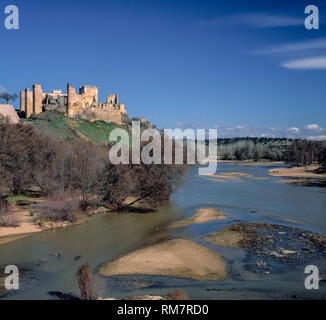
7,97
177,294
85,281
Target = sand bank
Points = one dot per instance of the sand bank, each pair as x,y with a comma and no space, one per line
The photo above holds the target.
27,224
178,258
227,238
236,175
298,172
201,216
226,176
249,162
303,176
260,163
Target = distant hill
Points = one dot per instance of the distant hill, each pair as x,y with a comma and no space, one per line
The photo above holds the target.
55,124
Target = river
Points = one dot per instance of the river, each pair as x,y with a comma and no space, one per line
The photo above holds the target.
257,197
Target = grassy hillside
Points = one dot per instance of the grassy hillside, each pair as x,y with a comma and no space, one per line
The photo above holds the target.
55,124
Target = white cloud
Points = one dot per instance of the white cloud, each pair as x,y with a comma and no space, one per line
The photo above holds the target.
313,127
319,43
317,63
267,135
2,89
311,131
318,138
256,20
293,130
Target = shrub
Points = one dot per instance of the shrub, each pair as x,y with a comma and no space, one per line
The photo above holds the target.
3,203
9,220
177,294
85,281
41,223
59,208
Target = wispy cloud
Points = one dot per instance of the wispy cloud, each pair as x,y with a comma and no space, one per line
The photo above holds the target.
306,55
256,20
310,45
2,89
312,63
318,138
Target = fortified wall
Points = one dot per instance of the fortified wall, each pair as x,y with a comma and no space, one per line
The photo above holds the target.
84,104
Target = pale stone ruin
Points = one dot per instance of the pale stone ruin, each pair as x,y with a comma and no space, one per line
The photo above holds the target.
8,111
84,104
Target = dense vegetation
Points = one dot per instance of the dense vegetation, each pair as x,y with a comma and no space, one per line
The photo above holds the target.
303,152
299,152
75,174
252,148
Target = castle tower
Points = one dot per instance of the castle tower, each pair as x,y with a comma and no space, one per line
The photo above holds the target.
28,103
122,108
37,98
22,101
115,99
73,101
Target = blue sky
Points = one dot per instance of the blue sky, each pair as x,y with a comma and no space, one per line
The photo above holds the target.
244,67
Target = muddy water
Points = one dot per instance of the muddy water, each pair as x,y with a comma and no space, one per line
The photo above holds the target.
53,257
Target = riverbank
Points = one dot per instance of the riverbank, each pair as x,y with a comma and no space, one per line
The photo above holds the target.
298,172
305,176
27,221
26,213
177,258
249,162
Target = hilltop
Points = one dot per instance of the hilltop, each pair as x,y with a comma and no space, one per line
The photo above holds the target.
57,125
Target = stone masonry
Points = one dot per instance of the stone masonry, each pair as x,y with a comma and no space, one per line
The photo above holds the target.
85,103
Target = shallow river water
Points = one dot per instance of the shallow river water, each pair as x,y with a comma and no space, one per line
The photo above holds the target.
105,237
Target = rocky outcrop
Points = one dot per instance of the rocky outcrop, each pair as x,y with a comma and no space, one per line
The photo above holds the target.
8,110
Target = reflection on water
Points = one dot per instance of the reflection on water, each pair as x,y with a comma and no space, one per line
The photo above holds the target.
105,237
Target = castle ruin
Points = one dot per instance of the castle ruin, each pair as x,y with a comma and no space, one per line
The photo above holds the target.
84,104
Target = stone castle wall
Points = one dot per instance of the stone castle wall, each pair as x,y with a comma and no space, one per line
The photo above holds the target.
83,103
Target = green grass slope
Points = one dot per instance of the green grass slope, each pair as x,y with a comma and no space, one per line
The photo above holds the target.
54,124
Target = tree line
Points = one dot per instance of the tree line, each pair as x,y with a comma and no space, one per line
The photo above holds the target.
299,152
